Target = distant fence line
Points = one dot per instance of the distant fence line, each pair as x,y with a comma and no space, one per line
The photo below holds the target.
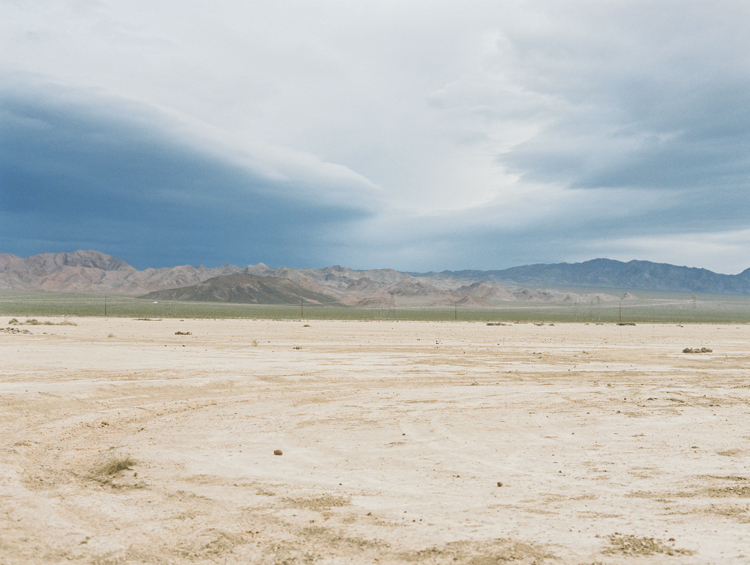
713,309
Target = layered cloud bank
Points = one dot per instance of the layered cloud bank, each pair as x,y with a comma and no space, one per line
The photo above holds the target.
405,135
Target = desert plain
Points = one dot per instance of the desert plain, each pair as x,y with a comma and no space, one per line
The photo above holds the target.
152,441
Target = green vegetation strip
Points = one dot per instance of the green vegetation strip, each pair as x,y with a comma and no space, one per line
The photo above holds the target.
666,308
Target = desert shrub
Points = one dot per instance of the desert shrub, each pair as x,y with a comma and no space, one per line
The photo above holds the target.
115,465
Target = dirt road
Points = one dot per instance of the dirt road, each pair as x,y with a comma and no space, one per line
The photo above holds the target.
402,442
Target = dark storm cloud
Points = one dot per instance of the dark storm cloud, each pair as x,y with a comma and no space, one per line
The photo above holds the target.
78,168
641,96
411,135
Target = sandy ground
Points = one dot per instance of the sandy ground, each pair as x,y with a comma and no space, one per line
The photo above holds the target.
611,445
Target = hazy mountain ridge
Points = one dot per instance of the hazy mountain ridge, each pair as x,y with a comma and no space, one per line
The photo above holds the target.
256,289
95,272
51,261
643,275
246,289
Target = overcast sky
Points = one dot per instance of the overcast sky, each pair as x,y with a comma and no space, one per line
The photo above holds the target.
417,135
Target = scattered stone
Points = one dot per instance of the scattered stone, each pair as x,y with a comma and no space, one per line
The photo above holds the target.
278,452
697,350
499,484
183,333
625,323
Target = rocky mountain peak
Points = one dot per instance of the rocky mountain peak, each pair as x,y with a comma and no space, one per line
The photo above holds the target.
79,258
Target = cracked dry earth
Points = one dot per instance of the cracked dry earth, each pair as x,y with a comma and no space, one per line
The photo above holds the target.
611,445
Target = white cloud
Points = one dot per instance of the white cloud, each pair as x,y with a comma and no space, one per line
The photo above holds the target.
487,120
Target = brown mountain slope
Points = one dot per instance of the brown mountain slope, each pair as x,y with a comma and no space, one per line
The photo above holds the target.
245,289
95,272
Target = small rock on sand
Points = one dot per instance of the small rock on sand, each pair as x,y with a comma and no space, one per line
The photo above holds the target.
278,452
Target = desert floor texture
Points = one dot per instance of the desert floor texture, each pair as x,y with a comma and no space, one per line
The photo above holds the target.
402,442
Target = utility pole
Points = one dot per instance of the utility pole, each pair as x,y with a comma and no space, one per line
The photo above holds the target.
301,309
105,305
455,310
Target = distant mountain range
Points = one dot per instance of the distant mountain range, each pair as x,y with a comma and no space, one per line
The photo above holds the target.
95,272
607,273
245,289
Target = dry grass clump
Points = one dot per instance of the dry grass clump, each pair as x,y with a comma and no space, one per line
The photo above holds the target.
115,465
634,545
14,331
318,503
35,322
492,552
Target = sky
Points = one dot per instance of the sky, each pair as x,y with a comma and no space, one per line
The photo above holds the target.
411,134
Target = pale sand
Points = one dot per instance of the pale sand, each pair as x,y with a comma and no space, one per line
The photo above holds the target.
609,441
